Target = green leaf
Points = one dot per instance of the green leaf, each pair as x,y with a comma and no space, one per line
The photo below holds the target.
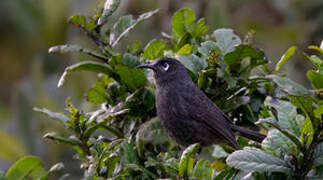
28,167
98,94
53,136
288,54
200,28
192,62
125,25
318,155
86,66
55,115
132,78
202,170
72,48
154,49
219,152
110,7
252,159
276,143
319,49
318,112
77,20
186,162
135,48
152,132
182,22
207,47
290,86
315,78
286,114
226,40
11,147
257,57
308,130
185,50
316,61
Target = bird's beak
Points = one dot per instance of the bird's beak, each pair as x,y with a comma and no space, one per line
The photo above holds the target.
149,66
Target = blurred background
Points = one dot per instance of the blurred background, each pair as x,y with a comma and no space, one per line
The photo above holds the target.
29,75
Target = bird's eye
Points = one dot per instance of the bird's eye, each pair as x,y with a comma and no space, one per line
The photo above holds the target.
165,66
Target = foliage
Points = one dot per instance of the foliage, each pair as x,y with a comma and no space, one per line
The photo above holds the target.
123,138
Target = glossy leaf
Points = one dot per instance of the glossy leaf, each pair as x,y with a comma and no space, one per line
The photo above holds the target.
252,159
288,54
186,162
154,49
226,40
202,170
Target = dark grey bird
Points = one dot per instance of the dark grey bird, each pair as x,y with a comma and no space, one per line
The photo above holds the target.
187,114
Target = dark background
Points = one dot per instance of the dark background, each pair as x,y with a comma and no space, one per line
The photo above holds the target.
29,75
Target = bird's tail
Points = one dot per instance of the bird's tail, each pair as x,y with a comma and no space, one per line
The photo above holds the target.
250,134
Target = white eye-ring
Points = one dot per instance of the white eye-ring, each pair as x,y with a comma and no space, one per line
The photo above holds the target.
165,66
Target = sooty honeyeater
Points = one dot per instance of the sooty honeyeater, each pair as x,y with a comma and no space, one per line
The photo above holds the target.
187,114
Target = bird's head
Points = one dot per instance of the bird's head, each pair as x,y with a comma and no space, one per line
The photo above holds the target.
167,70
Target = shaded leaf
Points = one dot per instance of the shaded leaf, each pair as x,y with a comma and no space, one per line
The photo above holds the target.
315,78
86,66
288,54
28,167
115,38
318,155
290,86
98,94
226,40
152,132
207,47
318,112
257,57
135,48
252,159
154,49
192,62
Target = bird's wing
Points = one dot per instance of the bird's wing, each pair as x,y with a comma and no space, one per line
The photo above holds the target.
208,113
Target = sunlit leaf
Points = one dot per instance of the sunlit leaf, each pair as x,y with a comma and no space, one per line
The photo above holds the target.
315,78
182,22
28,167
98,94
202,170
154,49
186,50
186,162
200,28
288,54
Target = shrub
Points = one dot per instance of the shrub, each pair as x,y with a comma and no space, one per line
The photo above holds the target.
123,138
